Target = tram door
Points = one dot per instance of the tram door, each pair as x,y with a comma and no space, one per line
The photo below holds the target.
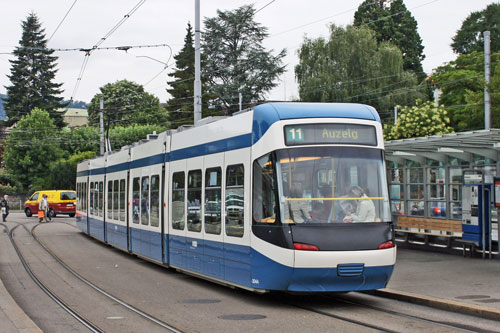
177,213
193,254
236,222
212,215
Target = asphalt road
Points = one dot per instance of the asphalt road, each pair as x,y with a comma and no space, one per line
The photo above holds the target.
187,303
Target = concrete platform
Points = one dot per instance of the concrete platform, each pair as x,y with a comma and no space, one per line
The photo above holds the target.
446,281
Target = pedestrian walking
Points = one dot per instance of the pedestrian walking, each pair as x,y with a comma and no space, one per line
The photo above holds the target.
4,204
43,209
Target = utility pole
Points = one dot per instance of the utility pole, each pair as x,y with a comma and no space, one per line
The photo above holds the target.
241,100
101,126
487,101
197,65
395,114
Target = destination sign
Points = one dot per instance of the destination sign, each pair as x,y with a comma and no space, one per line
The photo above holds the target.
308,134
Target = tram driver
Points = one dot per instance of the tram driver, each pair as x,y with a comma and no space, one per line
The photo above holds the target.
365,209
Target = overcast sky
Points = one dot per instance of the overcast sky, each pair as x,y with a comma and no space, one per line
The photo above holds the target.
165,22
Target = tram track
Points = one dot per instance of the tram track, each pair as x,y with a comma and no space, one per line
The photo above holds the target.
80,318
331,311
59,301
400,314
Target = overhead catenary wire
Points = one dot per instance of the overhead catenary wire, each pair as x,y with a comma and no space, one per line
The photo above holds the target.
102,40
60,23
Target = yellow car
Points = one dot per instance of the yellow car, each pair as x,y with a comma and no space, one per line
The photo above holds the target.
60,202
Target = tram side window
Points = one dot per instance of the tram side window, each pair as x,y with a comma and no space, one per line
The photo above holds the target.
91,202
115,200
136,196
101,198
109,204
178,185
194,201
85,192
264,199
122,200
155,200
145,201
213,178
235,204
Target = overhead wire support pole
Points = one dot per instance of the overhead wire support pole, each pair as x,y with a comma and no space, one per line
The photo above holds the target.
197,65
487,101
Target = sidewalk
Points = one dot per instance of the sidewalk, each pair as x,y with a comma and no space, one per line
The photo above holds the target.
446,281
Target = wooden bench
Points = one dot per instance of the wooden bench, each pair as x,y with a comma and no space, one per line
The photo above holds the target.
429,227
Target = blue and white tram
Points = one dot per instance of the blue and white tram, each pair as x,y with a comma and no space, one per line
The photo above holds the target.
287,196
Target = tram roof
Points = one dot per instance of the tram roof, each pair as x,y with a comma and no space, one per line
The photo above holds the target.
463,145
296,110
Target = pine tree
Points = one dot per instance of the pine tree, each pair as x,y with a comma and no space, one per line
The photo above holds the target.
180,106
393,22
31,76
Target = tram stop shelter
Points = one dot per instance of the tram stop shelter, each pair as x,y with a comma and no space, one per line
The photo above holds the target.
425,173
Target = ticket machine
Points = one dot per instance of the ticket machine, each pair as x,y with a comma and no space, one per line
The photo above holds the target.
476,202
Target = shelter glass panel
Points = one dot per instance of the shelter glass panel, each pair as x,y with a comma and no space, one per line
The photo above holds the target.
397,175
437,209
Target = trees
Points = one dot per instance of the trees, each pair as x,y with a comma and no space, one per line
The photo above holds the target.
127,102
236,62
422,119
349,66
31,76
180,106
31,147
462,84
470,36
394,23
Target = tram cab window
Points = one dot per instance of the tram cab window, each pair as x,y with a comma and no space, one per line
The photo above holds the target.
212,205
332,185
122,200
178,213
145,201
115,200
235,204
155,200
194,201
136,196
264,186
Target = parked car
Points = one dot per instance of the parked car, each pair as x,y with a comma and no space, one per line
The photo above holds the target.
60,202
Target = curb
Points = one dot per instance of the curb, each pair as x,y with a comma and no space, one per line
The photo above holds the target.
439,303
14,313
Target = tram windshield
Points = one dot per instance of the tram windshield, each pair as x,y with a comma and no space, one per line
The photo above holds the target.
321,185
